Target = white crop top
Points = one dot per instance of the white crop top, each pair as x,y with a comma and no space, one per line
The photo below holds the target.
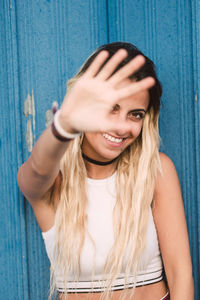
101,201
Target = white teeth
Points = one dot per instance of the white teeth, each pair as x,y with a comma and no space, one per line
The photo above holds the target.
111,138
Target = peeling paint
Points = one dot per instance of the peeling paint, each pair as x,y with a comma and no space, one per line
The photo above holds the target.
48,117
29,136
29,111
33,111
196,97
29,108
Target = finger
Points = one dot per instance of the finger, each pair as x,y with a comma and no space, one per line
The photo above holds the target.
112,64
135,87
130,68
97,63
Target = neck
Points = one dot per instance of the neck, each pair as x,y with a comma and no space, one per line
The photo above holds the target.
99,170
98,163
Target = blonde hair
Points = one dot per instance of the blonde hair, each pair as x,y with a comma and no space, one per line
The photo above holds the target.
137,169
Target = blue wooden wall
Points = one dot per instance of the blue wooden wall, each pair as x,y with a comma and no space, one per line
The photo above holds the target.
42,44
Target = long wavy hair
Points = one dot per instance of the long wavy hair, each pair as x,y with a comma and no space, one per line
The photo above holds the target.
137,169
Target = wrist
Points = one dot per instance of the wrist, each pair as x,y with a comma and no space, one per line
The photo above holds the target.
60,129
63,120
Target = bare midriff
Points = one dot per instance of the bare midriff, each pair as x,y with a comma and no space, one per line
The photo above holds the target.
149,292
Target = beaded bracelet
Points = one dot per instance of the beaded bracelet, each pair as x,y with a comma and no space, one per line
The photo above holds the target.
57,129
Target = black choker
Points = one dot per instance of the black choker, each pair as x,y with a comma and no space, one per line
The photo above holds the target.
96,162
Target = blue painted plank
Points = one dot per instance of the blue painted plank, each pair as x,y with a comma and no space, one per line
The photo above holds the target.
168,32
195,215
54,38
13,245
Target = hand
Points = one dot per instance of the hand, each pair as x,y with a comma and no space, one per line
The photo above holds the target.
88,105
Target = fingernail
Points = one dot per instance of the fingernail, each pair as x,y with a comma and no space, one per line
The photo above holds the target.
123,51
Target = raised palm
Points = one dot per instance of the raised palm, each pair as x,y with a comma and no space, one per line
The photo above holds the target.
88,105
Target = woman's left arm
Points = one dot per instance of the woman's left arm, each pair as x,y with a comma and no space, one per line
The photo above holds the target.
172,232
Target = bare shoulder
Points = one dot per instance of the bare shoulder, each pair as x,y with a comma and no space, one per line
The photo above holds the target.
168,179
168,200
165,159
167,164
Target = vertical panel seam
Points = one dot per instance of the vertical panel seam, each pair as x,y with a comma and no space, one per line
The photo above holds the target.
195,14
108,21
14,94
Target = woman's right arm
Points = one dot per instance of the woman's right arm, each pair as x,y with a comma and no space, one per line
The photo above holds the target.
86,108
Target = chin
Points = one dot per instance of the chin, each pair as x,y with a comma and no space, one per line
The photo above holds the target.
110,156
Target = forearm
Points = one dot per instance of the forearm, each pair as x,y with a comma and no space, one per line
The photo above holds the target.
47,153
38,173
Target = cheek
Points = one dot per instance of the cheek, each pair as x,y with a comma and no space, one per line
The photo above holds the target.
92,140
87,139
136,129
90,137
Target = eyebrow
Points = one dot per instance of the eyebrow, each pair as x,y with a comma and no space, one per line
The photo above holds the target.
138,110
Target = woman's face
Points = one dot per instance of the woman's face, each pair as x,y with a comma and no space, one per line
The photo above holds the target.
108,145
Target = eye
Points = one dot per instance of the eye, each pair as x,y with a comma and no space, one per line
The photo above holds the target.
136,115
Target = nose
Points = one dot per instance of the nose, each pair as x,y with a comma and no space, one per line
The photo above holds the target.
123,130
123,127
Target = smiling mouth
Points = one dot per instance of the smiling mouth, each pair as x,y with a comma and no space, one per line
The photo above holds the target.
113,139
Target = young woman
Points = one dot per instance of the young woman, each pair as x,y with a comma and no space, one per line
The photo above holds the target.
108,203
